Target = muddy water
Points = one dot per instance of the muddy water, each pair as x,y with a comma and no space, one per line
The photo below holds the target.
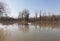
18,32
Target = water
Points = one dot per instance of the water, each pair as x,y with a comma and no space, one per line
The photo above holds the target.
18,32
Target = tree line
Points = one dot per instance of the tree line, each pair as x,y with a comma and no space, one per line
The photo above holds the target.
24,15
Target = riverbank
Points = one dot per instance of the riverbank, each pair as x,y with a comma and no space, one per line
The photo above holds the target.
35,23
9,20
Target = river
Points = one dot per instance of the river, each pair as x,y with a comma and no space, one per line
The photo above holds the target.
19,32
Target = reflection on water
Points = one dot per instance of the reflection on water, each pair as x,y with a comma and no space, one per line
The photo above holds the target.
24,28
18,32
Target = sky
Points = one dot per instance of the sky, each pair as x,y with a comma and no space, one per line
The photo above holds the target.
15,6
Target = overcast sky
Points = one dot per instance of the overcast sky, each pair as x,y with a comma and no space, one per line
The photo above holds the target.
15,6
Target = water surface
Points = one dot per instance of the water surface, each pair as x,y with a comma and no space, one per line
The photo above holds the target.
18,32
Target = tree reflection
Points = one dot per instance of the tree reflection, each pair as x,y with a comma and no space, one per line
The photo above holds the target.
48,27
24,28
35,27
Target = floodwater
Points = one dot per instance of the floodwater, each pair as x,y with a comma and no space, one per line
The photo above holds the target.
18,32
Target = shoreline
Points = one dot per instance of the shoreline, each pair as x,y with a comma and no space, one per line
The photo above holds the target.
25,22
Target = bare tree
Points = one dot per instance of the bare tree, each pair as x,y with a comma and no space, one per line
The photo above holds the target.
49,13
40,15
44,16
6,15
26,14
2,9
35,15
20,15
